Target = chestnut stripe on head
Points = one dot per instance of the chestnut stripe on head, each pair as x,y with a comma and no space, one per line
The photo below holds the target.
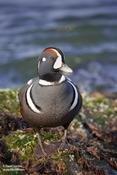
50,51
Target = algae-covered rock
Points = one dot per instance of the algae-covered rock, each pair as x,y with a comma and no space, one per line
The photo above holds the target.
9,101
91,145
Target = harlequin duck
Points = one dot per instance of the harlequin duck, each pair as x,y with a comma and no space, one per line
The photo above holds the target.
51,99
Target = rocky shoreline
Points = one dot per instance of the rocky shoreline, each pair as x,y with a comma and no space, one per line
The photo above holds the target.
91,146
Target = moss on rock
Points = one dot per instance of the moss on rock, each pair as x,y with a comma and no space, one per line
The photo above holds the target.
9,101
81,149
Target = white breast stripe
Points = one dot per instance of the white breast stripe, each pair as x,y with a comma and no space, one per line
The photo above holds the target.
38,64
76,96
30,102
58,62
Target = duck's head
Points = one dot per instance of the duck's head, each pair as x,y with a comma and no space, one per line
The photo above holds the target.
51,65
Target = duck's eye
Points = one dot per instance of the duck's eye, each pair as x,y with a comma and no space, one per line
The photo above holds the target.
53,58
43,59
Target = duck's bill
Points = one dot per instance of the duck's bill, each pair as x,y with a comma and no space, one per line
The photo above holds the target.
65,69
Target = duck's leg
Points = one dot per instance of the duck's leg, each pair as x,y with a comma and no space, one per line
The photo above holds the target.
63,140
40,143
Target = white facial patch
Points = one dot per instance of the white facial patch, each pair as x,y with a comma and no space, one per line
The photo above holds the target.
43,59
58,63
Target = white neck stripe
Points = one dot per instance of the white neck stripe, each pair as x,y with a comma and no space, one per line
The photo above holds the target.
30,82
48,83
30,102
76,96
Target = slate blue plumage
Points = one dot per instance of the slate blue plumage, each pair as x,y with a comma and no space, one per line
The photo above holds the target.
51,99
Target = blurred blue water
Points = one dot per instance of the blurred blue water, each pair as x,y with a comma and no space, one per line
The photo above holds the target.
81,28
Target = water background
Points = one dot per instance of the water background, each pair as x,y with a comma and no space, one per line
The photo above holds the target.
86,30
